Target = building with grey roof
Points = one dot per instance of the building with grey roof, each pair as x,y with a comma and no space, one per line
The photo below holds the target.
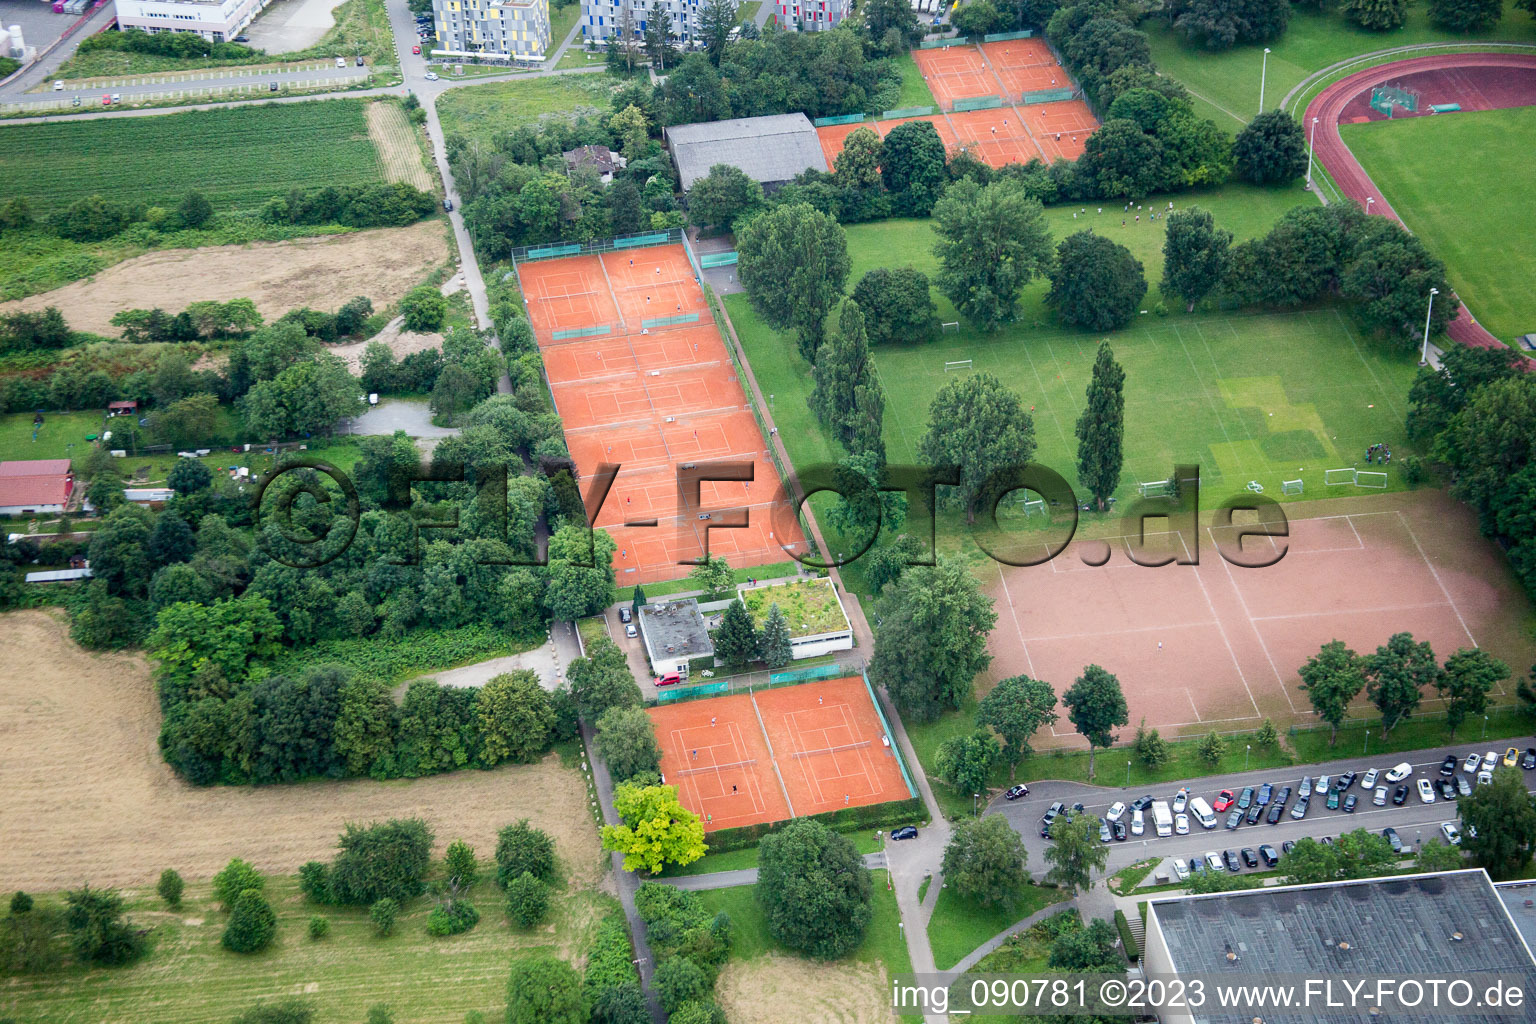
770,150
675,634
1439,924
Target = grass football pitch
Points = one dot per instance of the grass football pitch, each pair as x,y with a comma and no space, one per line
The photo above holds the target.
1454,179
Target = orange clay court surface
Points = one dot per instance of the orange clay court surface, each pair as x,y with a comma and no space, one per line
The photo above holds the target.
955,72
828,751
1218,646
1062,128
651,400
995,136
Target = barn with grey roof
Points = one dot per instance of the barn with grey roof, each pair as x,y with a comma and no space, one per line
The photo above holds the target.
770,150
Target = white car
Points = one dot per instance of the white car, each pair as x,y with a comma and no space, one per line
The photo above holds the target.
1400,772
1214,860
1484,777
1490,759
630,631
1426,793
1472,763
1180,869
58,85
1180,800
1452,834
1138,823
1369,782
1181,824
341,62
1380,797
430,76
1116,810
1321,789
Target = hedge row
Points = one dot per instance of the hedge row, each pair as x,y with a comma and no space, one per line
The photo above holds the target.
845,819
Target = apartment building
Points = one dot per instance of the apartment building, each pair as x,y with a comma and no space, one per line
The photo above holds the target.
813,15
602,19
511,28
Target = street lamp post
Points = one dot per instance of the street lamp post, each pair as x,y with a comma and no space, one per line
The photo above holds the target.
1128,773
1485,727
974,798
1367,748
1263,71
1424,355
1311,149
1368,201
1246,751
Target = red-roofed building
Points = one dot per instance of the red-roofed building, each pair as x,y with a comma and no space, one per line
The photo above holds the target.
33,486
122,408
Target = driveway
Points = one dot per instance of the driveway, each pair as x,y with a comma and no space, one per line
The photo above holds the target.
544,660
290,25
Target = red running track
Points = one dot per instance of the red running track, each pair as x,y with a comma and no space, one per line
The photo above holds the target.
1351,178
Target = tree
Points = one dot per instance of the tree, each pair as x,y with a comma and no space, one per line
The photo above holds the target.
544,990
847,396
1375,15
527,900
814,889
1095,284
1465,15
992,239
1271,150
194,210
1396,676
1017,708
975,18
424,309
602,680
365,728
884,16
379,1013
170,888
520,849
1195,255
97,930
1219,24
1123,162
1498,825
897,305
656,829
1268,735
1213,748
1357,854
1333,678
977,425
715,23
1101,428
455,392
459,861
774,641
1435,855
658,35
966,762
1525,5
515,718
723,195
382,912
985,861
1151,748
171,542
912,164
736,639
385,859
626,740
306,398
793,263
713,576
237,877
352,317
933,638
252,924
188,476
856,173
1469,675
1075,853
1095,705
284,1011
679,980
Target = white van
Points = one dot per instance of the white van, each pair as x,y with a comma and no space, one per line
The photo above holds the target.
1162,818
1202,812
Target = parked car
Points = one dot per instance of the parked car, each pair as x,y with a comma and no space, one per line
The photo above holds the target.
1181,824
630,631
1245,798
106,99
1197,865
1399,795
1230,856
1268,855
1223,800
1426,792
1345,781
1075,810
1300,810
1399,772
1323,782
1451,833
1349,804
625,615
341,62
1472,763
242,39
415,49
1180,800
1287,846
1274,815
1180,870
1448,766
1213,861
1016,792
1049,818
1333,800
1484,777
1141,803
1266,791
1255,812
430,76
905,832
1119,827
1283,795
1380,797
1463,787
1369,781
1234,817
272,87
359,60
1528,761
1306,785
1104,834
1116,809
1250,859
448,205
1511,756
1445,789
1138,823
1490,759
1390,834
58,85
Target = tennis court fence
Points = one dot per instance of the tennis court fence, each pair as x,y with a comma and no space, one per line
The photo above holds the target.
532,253
1048,96
1003,37
891,115
825,122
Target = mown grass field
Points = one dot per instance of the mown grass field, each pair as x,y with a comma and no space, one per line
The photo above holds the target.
189,978
483,111
959,925
1228,81
1451,178
237,157
914,91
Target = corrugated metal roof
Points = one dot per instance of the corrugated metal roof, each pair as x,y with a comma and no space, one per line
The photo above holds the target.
766,149
58,575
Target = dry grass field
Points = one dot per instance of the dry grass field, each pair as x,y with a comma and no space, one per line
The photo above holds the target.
757,991
398,143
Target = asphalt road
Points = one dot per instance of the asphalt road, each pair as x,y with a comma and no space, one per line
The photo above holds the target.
1415,822
314,74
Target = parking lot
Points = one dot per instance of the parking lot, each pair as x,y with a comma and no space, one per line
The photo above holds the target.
1414,820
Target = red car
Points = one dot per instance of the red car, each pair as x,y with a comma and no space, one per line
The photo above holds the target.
1224,800
415,49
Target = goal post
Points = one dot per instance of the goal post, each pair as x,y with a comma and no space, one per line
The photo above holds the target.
1334,477
956,365
950,327
1156,489
1370,478
1290,487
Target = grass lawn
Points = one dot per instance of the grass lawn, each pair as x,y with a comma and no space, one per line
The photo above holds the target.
746,857
959,925
1026,953
591,629
914,91
1504,722
747,11
1229,80
684,585
1129,877
1448,177
188,977
484,111
561,21
62,435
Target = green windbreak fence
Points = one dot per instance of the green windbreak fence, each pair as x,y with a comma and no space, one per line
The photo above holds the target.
718,259
582,332
907,112
526,254
938,44
901,762
667,694
824,122
978,103
655,238
806,675
1048,95
551,251
1003,37
669,321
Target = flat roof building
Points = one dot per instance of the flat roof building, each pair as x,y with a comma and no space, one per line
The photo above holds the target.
771,150
674,634
218,21
817,622
1438,924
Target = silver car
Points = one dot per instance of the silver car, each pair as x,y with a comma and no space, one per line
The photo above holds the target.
1380,797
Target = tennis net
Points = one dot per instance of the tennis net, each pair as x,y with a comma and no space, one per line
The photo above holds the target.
685,772
831,750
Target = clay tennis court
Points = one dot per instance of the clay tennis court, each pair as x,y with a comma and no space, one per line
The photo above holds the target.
1024,65
1219,646
824,748
994,136
1061,128
653,399
955,72
832,137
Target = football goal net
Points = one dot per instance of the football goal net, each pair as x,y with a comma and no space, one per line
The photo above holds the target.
950,326
1369,478
1156,489
1290,487
957,365
1334,477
